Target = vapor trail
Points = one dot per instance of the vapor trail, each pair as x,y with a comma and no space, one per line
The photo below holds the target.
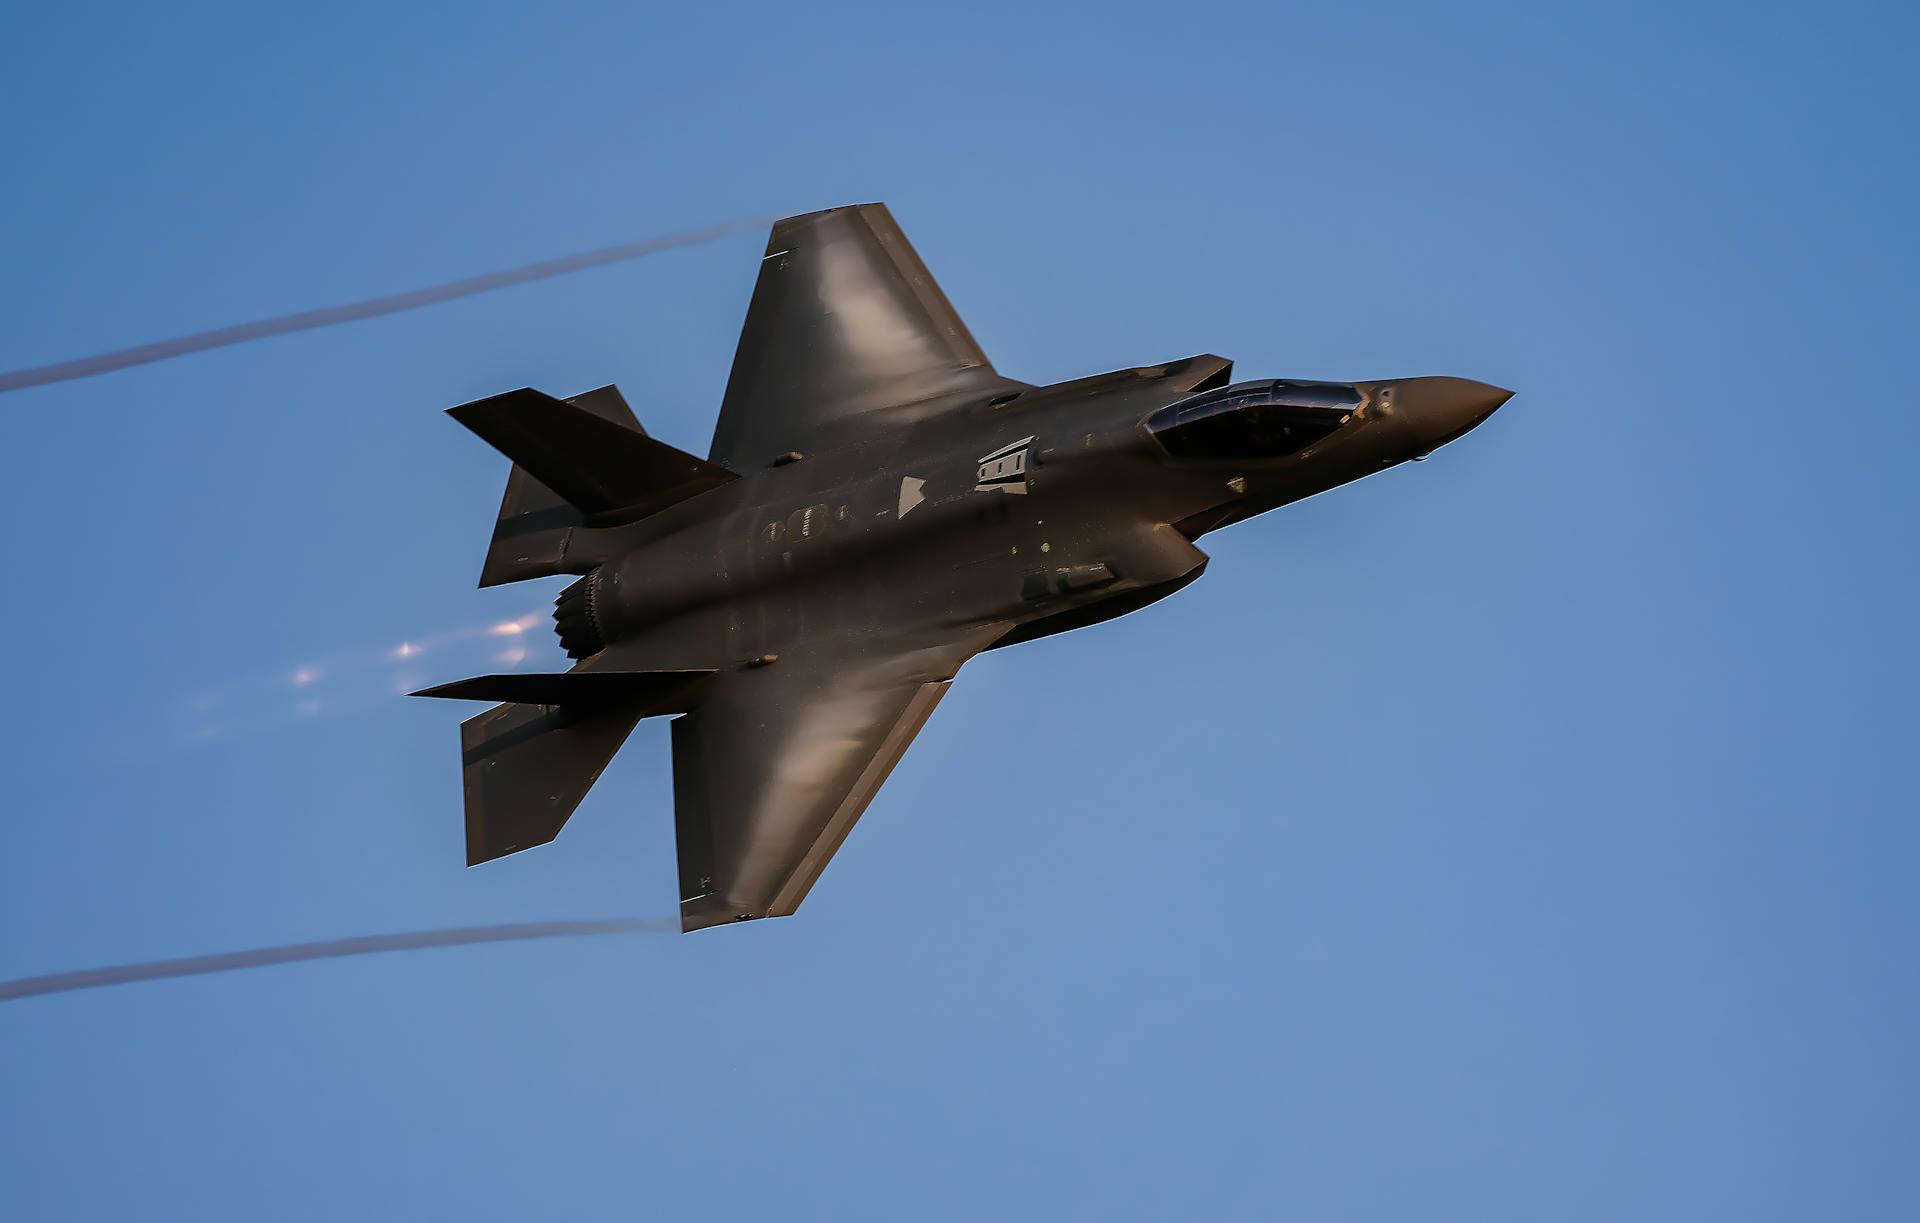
307,320
197,965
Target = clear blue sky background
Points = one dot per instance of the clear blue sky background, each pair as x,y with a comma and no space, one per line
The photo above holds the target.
1526,834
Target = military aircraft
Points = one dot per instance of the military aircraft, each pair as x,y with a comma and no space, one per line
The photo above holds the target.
878,506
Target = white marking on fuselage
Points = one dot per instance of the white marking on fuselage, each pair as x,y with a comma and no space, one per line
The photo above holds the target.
1005,469
910,494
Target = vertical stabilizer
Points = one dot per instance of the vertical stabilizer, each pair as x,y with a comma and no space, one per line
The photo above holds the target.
529,537
577,462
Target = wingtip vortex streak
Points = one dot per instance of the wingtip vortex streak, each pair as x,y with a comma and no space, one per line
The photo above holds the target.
392,303
260,957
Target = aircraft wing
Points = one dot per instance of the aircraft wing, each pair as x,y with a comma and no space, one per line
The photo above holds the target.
775,763
845,320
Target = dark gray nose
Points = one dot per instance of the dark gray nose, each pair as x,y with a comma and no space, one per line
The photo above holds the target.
1441,409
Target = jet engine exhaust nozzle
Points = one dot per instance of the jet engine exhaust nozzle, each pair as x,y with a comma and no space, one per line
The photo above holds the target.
576,618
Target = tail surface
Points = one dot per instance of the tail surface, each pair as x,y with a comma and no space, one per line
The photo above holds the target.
576,462
527,764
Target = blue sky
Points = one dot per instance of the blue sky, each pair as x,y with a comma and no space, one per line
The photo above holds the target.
1527,833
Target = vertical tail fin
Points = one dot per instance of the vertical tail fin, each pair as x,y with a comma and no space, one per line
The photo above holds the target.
530,534
573,459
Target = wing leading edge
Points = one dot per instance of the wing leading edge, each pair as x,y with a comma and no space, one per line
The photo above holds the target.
845,320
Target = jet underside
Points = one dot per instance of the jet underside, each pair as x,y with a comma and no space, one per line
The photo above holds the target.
878,506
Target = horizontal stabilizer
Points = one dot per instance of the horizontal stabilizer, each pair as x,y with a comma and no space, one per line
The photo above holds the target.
648,692
608,404
595,464
528,762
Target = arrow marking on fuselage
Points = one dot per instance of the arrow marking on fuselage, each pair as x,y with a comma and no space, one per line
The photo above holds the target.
910,494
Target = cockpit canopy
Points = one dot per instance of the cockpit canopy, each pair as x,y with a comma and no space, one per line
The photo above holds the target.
1253,420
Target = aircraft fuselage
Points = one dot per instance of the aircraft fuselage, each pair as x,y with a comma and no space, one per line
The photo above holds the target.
1023,513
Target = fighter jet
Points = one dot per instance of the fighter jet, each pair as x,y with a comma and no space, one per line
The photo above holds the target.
878,506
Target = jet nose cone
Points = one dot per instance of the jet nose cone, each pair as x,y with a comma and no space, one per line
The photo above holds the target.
1442,409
